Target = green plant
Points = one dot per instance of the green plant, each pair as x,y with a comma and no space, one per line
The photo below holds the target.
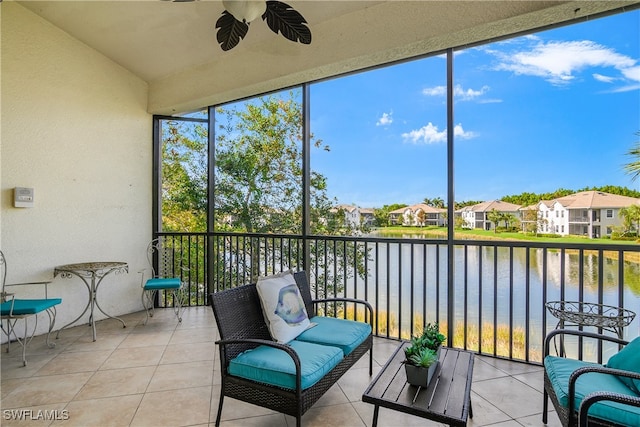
424,357
432,336
422,350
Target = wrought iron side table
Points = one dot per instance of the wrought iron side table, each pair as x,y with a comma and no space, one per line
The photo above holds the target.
575,313
91,274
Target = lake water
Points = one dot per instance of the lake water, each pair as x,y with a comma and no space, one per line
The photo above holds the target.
405,279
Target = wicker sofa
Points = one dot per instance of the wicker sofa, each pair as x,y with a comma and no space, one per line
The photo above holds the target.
586,393
243,332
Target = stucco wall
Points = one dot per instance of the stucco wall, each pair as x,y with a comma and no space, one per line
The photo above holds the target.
74,128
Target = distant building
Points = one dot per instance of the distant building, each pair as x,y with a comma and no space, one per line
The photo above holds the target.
420,215
588,213
367,217
354,216
476,216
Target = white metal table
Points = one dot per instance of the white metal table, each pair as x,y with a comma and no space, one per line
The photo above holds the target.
92,274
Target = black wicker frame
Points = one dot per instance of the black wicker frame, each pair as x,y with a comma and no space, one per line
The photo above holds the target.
241,325
570,416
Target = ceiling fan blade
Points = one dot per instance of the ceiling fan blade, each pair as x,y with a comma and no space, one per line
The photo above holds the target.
230,31
283,18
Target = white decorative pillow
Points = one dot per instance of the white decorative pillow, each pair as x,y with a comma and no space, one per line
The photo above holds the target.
282,306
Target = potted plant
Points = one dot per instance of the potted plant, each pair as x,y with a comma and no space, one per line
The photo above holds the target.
432,337
421,356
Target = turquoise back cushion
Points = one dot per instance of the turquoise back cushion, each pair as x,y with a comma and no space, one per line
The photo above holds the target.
346,334
273,366
628,359
559,369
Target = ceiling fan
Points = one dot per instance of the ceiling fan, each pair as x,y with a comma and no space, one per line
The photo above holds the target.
233,24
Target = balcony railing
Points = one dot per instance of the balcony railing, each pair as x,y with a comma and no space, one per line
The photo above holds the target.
499,287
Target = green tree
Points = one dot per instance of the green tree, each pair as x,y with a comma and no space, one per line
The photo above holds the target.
382,214
530,221
495,217
436,202
633,167
259,188
631,217
258,166
510,221
184,177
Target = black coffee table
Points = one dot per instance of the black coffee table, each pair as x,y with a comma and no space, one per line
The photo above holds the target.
447,399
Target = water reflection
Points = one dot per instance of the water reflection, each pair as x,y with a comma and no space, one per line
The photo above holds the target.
494,285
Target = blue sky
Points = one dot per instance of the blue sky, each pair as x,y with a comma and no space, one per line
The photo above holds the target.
555,109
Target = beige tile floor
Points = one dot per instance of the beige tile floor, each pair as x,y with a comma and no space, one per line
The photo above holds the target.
168,374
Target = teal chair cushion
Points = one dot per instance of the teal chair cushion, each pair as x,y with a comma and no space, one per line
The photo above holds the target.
273,366
346,334
628,359
166,283
23,307
559,369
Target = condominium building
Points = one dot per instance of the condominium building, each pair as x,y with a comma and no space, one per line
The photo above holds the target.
588,213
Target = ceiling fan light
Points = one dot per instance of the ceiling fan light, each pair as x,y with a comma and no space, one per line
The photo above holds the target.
245,10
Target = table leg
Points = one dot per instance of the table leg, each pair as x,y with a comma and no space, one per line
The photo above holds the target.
561,352
83,311
92,303
124,325
376,408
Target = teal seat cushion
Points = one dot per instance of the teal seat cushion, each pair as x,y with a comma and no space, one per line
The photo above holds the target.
23,307
166,283
559,369
628,359
342,333
273,366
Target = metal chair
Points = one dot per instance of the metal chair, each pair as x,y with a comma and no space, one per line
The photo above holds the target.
163,278
13,309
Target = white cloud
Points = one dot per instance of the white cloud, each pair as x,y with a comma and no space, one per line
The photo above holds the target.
558,62
435,91
489,101
604,79
628,88
385,120
459,132
430,134
458,92
469,94
632,73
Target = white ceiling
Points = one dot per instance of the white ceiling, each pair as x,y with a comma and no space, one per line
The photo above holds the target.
172,45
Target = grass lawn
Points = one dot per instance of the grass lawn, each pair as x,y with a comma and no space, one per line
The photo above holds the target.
476,234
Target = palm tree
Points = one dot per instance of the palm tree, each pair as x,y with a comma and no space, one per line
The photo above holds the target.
438,202
495,217
631,215
633,167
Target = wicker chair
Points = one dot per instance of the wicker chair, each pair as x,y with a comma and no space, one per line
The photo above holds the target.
568,411
242,327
